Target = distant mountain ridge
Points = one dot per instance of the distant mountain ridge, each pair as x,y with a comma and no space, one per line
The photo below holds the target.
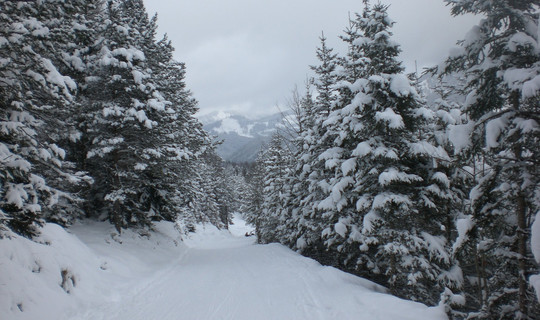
242,137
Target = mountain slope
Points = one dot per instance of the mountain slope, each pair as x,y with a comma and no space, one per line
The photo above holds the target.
242,137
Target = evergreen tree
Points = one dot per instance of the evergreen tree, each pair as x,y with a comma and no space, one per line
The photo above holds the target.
501,62
253,213
35,97
125,153
310,170
399,175
276,165
378,170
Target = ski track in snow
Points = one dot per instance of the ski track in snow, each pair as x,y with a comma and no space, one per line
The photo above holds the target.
222,276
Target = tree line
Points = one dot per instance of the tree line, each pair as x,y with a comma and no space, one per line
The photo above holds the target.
427,185
96,121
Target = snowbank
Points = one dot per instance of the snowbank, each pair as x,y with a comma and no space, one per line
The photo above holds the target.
68,270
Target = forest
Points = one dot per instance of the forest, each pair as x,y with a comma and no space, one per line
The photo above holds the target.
426,184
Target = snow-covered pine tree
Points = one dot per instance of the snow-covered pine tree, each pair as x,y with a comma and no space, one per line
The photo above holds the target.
383,171
36,99
125,110
296,183
276,168
325,80
501,60
72,26
238,187
310,169
216,201
336,206
400,176
255,197
179,138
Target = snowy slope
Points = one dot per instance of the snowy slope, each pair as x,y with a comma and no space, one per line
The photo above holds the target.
213,274
99,265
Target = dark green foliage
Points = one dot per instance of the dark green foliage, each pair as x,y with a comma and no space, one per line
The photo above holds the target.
90,78
500,60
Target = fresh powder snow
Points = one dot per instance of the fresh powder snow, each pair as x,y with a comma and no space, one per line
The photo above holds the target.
210,274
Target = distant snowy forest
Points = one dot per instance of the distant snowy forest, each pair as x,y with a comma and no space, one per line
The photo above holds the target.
426,184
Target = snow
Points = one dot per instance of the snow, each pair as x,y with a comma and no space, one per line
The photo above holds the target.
140,166
527,126
130,53
535,238
395,121
16,195
392,175
459,136
348,166
138,76
212,274
341,228
400,85
424,113
156,105
493,131
474,35
436,246
362,149
54,77
531,88
535,283
426,148
521,39
441,178
382,199
463,226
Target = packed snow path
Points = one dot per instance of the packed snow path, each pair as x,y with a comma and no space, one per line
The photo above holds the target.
230,277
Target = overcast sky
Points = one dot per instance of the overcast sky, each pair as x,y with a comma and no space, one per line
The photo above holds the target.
246,56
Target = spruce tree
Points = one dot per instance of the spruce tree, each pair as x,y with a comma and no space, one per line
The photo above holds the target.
124,114
501,62
310,169
255,197
276,166
36,99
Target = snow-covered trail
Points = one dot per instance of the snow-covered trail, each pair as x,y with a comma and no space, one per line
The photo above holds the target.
224,276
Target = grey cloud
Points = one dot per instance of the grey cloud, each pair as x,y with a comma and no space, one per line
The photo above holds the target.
246,56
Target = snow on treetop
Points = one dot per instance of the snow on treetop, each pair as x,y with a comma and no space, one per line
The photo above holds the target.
401,85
